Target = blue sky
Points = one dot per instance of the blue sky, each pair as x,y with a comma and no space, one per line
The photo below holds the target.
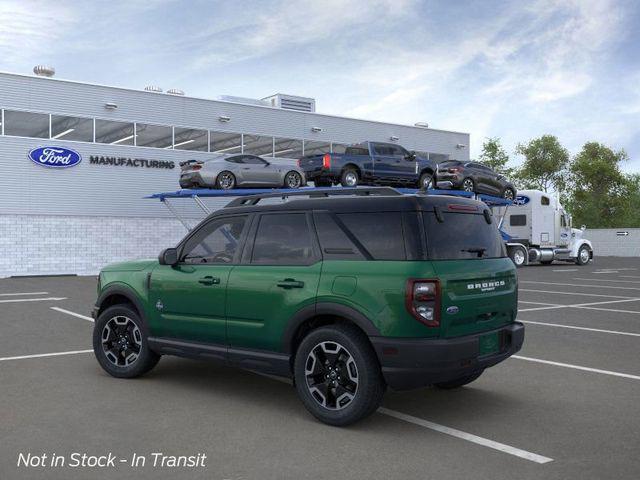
515,70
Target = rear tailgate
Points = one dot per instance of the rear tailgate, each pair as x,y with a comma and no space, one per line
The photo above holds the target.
311,163
477,295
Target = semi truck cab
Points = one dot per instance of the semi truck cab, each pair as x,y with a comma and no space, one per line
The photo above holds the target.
540,231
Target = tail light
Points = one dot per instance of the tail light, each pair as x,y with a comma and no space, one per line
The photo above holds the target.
422,299
326,161
298,162
455,169
196,167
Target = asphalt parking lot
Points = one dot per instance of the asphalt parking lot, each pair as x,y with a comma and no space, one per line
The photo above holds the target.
565,408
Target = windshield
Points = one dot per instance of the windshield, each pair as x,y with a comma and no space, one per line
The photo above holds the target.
462,236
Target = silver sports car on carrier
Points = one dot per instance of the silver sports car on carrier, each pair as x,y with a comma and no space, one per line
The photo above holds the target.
233,171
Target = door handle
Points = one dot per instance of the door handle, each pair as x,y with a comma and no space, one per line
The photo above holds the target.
209,280
290,283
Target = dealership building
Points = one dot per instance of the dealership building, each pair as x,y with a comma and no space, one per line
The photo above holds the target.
127,144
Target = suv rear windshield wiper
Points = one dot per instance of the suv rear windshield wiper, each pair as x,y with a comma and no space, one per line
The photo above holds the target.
479,250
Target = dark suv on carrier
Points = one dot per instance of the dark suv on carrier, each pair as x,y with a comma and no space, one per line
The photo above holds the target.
347,295
474,177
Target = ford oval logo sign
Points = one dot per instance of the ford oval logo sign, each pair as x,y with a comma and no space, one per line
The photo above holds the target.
521,200
452,310
55,157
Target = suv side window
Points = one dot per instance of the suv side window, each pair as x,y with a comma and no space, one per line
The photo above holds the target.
334,241
379,233
283,239
216,242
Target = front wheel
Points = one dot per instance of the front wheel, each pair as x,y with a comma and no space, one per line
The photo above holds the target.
584,255
120,343
508,194
459,382
293,180
426,181
337,375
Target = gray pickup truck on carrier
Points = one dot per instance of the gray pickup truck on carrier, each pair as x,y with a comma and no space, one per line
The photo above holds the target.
369,163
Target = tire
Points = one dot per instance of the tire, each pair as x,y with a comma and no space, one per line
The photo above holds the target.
459,382
509,194
292,179
518,256
426,181
116,326
347,389
349,178
584,255
468,185
225,180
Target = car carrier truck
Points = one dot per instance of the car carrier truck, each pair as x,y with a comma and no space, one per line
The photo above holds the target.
539,230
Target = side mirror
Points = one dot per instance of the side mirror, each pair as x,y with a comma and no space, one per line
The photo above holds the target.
583,227
411,156
169,256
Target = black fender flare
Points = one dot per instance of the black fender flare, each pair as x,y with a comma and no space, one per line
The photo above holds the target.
123,290
326,308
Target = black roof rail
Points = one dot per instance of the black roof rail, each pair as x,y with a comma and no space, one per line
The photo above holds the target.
314,193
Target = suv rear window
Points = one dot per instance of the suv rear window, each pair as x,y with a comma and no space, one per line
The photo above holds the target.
462,236
379,233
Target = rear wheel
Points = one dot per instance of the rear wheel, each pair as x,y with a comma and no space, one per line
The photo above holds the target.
508,194
468,185
120,343
349,178
584,255
459,382
293,180
337,375
226,180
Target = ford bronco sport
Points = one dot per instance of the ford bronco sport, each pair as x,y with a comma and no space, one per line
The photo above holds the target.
347,295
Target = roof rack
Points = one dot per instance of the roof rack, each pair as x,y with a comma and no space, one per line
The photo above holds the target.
314,193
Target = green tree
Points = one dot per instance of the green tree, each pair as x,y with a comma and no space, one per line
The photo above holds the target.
600,194
545,164
495,156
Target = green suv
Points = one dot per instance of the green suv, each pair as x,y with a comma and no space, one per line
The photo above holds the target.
346,295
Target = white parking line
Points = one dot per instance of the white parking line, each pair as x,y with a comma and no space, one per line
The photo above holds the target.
26,293
540,303
485,442
606,280
566,270
49,299
608,309
578,367
579,285
442,429
575,293
629,276
40,355
573,327
74,314
535,309
588,306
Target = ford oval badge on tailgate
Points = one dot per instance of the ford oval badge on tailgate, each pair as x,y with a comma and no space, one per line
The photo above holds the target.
452,310
55,157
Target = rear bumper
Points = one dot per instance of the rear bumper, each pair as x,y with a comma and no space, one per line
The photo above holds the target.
413,363
188,180
320,173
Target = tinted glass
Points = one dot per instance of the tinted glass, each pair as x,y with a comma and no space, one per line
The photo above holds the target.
334,242
190,139
115,133
379,233
449,164
237,159
72,128
518,220
357,151
157,136
283,240
222,142
253,160
544,201
26,124
382,149
258,145
462,236
287,148
438,157
217,242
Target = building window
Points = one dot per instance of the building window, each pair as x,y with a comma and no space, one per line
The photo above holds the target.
156,136
287,148
438,157
338,147
190,139
258,145
316,148
114,133
26,124
71,128
222,142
